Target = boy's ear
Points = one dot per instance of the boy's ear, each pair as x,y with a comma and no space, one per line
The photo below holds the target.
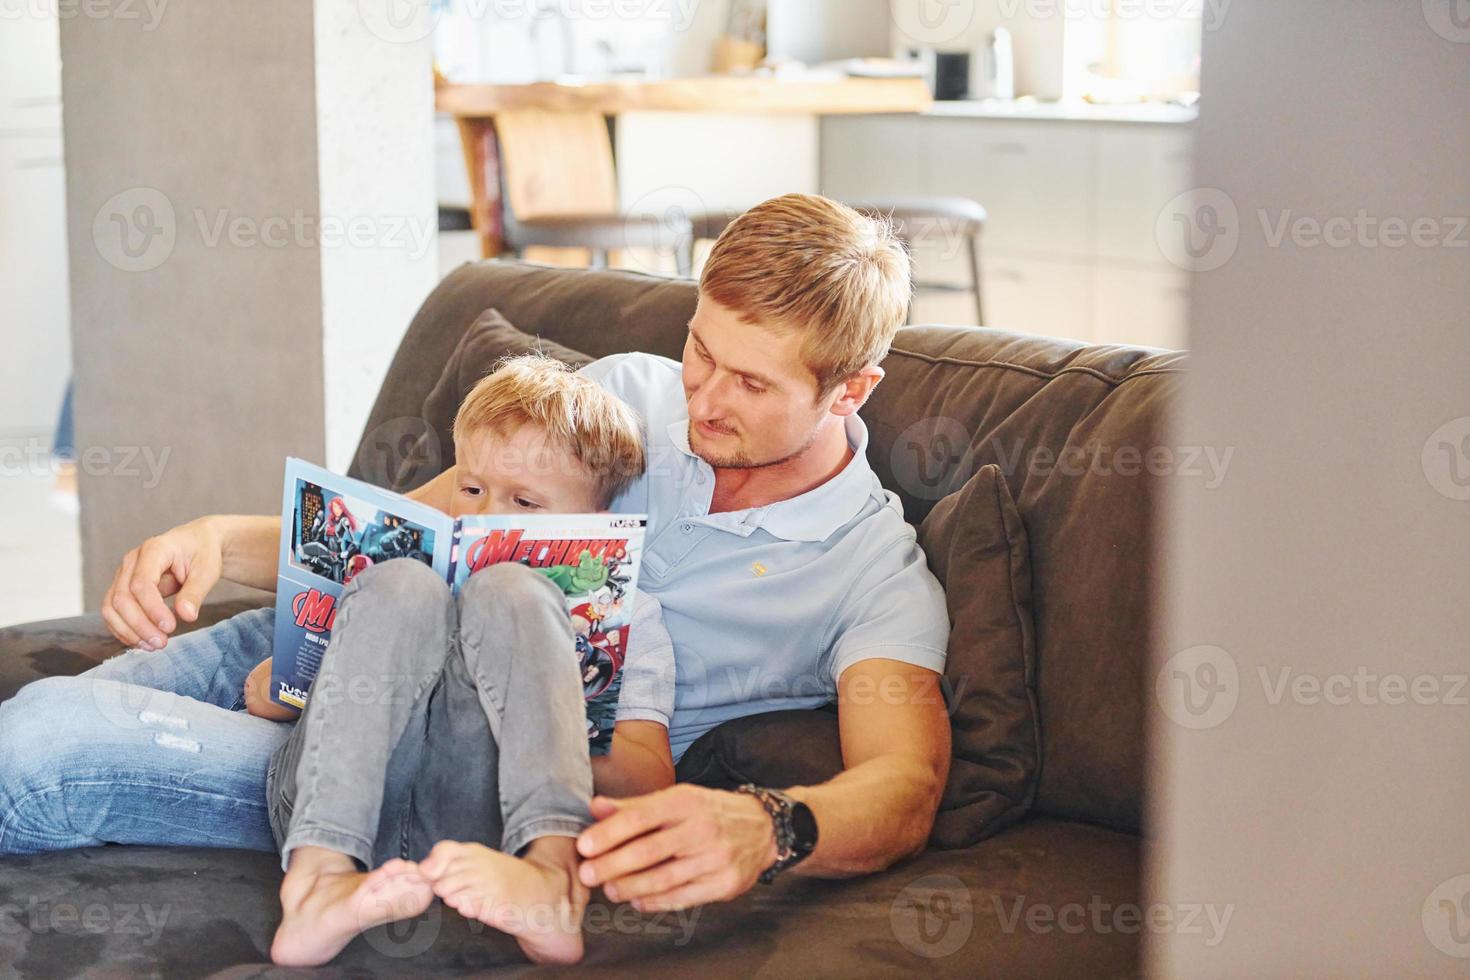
853,393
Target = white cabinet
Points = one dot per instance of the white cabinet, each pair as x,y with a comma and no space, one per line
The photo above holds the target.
1139,170
1144,306
868,156
1069,249
1035,180
1038,296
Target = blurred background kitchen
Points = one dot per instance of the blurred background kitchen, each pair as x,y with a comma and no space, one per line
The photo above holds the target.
1029,146
1068,123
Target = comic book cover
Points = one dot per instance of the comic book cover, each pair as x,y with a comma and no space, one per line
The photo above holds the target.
593,559
333,527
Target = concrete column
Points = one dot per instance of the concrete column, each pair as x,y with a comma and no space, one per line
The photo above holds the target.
252,223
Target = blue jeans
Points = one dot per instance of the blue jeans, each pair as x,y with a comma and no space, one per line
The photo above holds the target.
145,748
429,719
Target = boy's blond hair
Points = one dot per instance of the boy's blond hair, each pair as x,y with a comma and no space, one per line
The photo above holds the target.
576,415
802,262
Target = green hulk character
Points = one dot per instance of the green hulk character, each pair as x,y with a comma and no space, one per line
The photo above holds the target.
587,575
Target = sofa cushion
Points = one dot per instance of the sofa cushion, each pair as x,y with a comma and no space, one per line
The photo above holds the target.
489,339
774,748
1080,434
976,546
599,313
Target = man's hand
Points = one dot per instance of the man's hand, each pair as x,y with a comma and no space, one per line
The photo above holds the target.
185,562
677,848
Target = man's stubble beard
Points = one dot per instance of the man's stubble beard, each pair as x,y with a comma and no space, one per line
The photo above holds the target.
742,461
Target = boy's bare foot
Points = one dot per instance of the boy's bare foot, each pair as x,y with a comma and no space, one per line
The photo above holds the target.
538,898
325,901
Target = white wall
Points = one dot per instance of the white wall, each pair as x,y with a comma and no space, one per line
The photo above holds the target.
508,44
1330,820
33,300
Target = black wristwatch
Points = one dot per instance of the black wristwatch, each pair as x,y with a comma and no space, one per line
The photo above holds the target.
795,825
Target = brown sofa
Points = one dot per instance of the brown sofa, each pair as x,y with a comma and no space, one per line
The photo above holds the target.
1042,897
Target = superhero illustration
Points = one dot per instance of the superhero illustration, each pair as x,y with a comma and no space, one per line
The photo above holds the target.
601,629
601,634
587,574
330,541
394,537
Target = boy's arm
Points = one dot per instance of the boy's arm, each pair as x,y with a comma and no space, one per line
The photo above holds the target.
258,695
640,761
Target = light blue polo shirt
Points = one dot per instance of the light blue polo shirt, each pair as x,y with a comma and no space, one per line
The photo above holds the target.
768,606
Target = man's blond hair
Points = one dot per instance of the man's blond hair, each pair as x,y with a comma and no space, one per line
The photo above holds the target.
806,263
576,415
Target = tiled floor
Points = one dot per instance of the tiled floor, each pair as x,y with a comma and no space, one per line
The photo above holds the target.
40,553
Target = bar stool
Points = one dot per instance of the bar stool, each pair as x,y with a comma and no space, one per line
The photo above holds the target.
915,220
601,234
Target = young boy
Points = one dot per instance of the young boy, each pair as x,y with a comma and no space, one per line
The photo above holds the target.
445,741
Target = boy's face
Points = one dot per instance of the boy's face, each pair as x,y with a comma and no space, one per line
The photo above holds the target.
518,473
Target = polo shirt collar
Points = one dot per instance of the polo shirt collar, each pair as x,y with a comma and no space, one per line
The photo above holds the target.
811,516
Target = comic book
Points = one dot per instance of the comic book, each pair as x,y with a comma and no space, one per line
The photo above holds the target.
333,527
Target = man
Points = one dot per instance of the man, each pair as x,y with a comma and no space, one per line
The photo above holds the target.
787,575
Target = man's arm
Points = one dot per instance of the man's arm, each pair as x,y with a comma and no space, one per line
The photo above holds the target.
895,752
186,561
687,845
639,761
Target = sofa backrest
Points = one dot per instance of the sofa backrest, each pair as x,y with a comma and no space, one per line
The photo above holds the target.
1078,431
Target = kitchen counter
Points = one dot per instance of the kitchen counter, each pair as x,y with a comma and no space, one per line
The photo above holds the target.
714,94
1142,112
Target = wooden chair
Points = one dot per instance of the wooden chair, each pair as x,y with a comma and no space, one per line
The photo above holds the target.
544,187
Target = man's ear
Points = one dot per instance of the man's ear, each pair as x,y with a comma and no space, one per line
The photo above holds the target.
853,393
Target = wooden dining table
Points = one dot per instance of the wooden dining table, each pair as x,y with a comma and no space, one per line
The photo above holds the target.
547,149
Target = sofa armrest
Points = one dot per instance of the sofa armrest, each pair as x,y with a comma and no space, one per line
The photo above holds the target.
62,647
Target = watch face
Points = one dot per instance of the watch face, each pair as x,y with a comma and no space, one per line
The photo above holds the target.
804,828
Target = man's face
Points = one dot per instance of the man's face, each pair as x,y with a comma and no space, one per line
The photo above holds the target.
752,402
519,473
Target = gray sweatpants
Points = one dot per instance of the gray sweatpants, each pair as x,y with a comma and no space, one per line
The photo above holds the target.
434,718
